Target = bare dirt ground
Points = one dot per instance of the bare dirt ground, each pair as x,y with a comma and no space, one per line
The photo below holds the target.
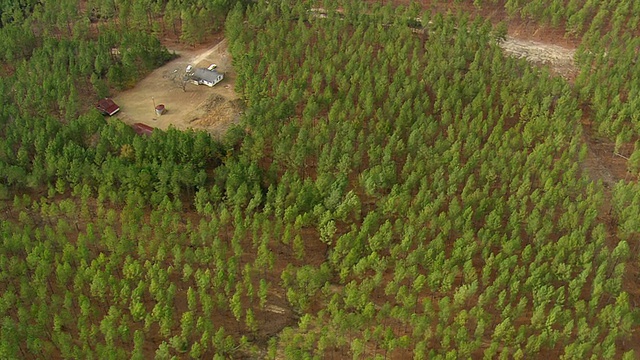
197,106
558,58
603,162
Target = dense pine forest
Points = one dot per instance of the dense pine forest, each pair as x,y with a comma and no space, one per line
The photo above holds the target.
397,187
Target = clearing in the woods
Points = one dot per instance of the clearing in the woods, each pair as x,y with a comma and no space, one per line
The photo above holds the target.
212,109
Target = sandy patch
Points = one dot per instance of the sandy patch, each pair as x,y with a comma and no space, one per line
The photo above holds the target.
558,58
196,106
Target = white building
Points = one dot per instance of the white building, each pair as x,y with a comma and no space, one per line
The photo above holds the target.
202,76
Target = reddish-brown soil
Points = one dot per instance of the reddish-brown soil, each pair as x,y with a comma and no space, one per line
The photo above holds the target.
521,29
549,46
214,109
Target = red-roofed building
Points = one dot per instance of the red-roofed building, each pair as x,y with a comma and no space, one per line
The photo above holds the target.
107,106
142,129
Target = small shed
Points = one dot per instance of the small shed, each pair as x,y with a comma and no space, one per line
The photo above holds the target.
107,106
142,129
202,76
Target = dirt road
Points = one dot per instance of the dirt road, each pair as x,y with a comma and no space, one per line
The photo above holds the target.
199,107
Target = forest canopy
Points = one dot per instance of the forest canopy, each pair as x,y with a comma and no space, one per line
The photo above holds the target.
397,186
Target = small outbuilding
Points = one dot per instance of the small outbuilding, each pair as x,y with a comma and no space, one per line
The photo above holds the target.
107,106
142,129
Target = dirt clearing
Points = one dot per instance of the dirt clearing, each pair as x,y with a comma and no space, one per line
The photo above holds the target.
558,58
197,106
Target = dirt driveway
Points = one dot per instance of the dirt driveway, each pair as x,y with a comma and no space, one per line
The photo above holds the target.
199,107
